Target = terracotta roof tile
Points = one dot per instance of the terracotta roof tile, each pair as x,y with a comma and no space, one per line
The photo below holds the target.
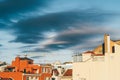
93,53
68,72
89,52
55,71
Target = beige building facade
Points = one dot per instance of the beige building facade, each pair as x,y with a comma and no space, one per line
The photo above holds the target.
103,63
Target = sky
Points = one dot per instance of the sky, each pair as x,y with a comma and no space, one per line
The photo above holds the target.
53,30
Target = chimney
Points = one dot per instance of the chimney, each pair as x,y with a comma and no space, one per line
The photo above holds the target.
107,43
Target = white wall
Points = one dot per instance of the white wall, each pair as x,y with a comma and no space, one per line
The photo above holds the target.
107,69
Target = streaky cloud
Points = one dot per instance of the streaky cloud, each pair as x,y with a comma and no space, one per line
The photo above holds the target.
30,30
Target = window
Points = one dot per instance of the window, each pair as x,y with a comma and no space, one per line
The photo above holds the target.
59,66
35,77
113,49
50,70
31,77
29,62
27,78
43,70
53,78
24,71
46,70
10,79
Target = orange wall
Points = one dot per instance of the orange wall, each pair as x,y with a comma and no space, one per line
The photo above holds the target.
20,65
44,75
14,75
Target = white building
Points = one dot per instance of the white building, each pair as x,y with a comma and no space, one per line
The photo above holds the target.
60,69
103,63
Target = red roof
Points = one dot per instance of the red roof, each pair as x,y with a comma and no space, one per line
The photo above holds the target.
55,71
89,52
99,55
93,53
68,72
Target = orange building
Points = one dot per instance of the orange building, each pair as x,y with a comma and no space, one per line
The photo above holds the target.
24,69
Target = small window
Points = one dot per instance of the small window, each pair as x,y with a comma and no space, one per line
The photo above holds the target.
24,71
113,49
27,78
59,66
43,70
31,77
10,79
46,70
53,78
29,62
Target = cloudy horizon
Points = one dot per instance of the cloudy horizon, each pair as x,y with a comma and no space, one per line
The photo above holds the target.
52,30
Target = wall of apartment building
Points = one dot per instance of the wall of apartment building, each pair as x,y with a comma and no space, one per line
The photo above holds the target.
96,69
66,78
12,75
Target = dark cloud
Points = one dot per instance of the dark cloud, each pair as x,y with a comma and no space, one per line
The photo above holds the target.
30,30
8,7
28,46
16,9
76,37
1,45
36,57
56,46
85,38
33,48
28,38
3,24
63,19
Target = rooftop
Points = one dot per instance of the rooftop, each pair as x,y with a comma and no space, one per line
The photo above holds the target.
93,53
68,72
55,71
